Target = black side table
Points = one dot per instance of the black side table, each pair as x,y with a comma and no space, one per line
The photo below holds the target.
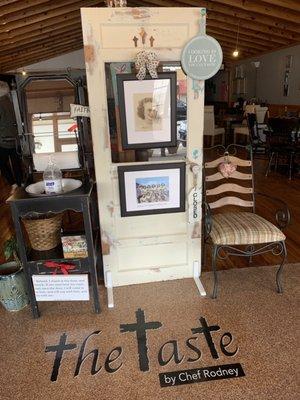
79,200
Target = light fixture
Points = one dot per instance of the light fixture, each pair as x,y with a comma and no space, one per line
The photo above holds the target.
24,73
236,52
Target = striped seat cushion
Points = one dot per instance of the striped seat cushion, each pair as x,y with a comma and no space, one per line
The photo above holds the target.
243,228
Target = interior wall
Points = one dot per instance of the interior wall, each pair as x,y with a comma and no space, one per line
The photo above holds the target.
73,60
270,77
216,88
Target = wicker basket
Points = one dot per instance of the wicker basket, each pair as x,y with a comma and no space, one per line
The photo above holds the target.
43,231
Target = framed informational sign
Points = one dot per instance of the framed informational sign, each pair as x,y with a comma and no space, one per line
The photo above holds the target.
152,189
147,110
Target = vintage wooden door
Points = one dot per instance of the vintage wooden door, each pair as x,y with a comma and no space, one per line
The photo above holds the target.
152,247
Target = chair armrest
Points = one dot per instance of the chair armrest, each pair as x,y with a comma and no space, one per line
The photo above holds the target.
207,219
282,214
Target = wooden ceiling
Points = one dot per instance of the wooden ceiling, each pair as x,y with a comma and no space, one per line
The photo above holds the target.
36,30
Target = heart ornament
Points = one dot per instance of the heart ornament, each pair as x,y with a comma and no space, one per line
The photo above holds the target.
226,168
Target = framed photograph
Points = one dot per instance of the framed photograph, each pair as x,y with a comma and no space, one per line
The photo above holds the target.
152,189
147,111
288,62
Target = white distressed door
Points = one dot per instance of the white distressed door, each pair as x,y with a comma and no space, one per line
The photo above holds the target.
153,247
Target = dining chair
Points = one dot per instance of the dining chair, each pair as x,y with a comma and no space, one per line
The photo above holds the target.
210,129
247,130
262,114
282,142
228,228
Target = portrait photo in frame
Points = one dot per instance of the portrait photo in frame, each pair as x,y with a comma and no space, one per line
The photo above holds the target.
147,110
152,189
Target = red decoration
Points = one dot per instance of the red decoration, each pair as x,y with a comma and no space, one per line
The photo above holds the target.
59,267
73,128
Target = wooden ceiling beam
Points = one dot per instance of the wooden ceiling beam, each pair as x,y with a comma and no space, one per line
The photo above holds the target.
49,24
19,5
286,26
72,23
42,41
232,38
261,8
41,47
34,10
54,13
232,43
245,24
13,66
159,3
256,22
228,48
290,4
251,34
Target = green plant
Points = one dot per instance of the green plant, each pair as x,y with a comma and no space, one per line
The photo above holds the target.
11,250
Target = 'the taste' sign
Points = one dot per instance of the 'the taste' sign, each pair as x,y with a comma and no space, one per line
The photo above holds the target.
201,57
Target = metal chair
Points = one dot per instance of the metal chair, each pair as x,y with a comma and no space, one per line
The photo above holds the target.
282,142
235,232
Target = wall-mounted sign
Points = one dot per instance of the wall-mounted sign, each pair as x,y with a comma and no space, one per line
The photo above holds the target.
78,110
201,57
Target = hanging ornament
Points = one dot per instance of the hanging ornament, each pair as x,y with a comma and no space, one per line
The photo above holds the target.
146,60
116,3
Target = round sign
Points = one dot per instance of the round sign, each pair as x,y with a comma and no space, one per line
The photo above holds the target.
201,57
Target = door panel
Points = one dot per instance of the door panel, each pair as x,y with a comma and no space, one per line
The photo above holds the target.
153,247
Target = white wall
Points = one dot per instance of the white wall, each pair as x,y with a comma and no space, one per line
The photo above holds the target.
270,76
74,60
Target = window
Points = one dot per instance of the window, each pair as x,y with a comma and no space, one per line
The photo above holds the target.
54,132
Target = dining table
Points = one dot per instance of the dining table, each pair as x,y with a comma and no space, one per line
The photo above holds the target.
229,120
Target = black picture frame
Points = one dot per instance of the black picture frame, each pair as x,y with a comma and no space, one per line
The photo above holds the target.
129,113
129,208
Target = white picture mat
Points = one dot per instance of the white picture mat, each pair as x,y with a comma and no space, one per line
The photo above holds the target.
161,89
61,287
130,189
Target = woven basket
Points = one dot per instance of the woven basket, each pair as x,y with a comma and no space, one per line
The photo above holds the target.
43,231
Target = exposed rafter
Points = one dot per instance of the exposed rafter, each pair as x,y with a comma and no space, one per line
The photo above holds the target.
34,30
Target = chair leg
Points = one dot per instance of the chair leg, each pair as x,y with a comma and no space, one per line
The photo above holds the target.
214,268
250,249
291,165
276,162
269,164
279,272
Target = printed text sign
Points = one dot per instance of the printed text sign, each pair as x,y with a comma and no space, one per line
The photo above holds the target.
61,287
201,375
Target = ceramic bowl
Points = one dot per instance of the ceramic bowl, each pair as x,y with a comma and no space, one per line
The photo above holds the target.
37,189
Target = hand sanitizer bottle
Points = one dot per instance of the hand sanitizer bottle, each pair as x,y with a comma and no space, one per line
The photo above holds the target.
52,178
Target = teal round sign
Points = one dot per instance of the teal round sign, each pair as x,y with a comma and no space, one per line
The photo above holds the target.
201,57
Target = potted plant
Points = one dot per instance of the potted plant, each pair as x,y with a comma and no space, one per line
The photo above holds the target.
13,287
